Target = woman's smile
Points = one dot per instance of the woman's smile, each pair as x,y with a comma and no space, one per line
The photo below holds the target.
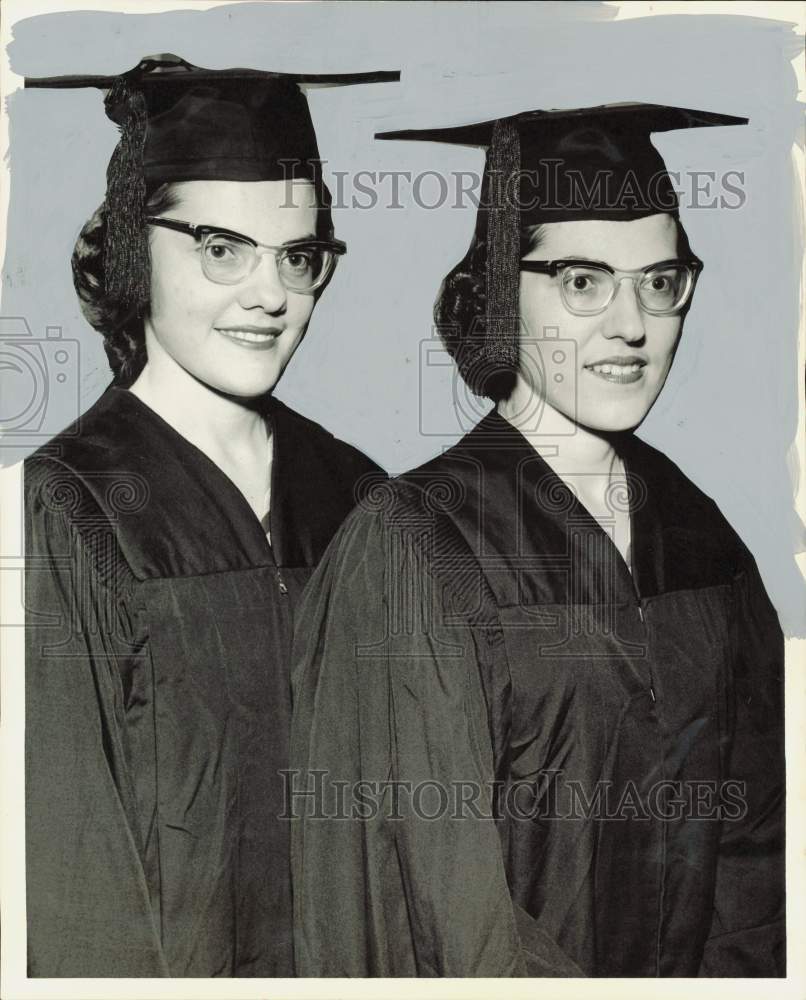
254,337
618,370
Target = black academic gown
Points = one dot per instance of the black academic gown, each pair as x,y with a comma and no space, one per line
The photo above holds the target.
159,625
609,745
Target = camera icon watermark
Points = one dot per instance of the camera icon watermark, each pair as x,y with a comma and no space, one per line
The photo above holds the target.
548,363
40,377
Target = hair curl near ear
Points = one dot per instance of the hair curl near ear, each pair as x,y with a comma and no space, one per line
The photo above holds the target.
120,326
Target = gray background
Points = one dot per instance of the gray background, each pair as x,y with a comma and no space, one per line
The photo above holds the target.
728,413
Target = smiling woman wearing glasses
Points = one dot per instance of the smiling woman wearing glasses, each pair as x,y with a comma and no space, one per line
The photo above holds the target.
169,534
544,662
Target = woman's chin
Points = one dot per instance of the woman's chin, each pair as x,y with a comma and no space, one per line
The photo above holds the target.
605,413
612,421
560,416
239,386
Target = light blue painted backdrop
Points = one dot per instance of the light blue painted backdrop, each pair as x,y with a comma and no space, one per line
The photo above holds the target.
728,413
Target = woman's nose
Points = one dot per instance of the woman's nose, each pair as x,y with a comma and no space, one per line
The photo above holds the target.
624,317
263,288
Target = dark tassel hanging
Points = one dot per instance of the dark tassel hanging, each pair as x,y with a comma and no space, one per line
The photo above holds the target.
489,358
503,247
126,244
324,225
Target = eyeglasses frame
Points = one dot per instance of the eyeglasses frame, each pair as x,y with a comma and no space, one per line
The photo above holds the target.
553,267
199,232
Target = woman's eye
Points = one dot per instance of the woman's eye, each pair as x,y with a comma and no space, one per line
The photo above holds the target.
222,250
581,282
659,283
218,251
300,260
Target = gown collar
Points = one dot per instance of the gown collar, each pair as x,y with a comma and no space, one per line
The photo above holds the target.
509,457
213,526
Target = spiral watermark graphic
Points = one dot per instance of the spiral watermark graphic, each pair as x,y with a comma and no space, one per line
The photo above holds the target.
444,494
375,493
61,493
626,495
97,493
553,495
127,493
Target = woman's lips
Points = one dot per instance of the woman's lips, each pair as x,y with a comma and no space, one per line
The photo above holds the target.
254,337
619,372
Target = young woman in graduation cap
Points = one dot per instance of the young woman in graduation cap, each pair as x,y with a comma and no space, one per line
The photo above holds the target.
169,534
544,663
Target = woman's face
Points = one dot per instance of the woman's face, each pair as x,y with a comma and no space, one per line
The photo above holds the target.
562,354
236,339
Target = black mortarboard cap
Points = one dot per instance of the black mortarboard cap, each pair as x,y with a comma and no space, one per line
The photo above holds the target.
557,166
180,122
584,163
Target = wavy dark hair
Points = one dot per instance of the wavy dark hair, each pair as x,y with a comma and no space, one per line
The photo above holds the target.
460,312
121,326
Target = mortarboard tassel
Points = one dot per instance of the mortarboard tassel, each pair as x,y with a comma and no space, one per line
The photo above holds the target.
126,242
503,247
497,355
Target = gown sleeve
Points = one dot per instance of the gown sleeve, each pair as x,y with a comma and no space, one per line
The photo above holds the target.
747,936
89,912
403,877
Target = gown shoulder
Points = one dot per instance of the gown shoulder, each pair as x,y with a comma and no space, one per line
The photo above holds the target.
130,466
343,459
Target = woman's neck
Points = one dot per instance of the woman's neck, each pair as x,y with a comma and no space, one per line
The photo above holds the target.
219,425
585,461
568,447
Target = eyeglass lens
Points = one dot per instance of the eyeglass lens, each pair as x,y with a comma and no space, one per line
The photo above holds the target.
228,260
587,288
